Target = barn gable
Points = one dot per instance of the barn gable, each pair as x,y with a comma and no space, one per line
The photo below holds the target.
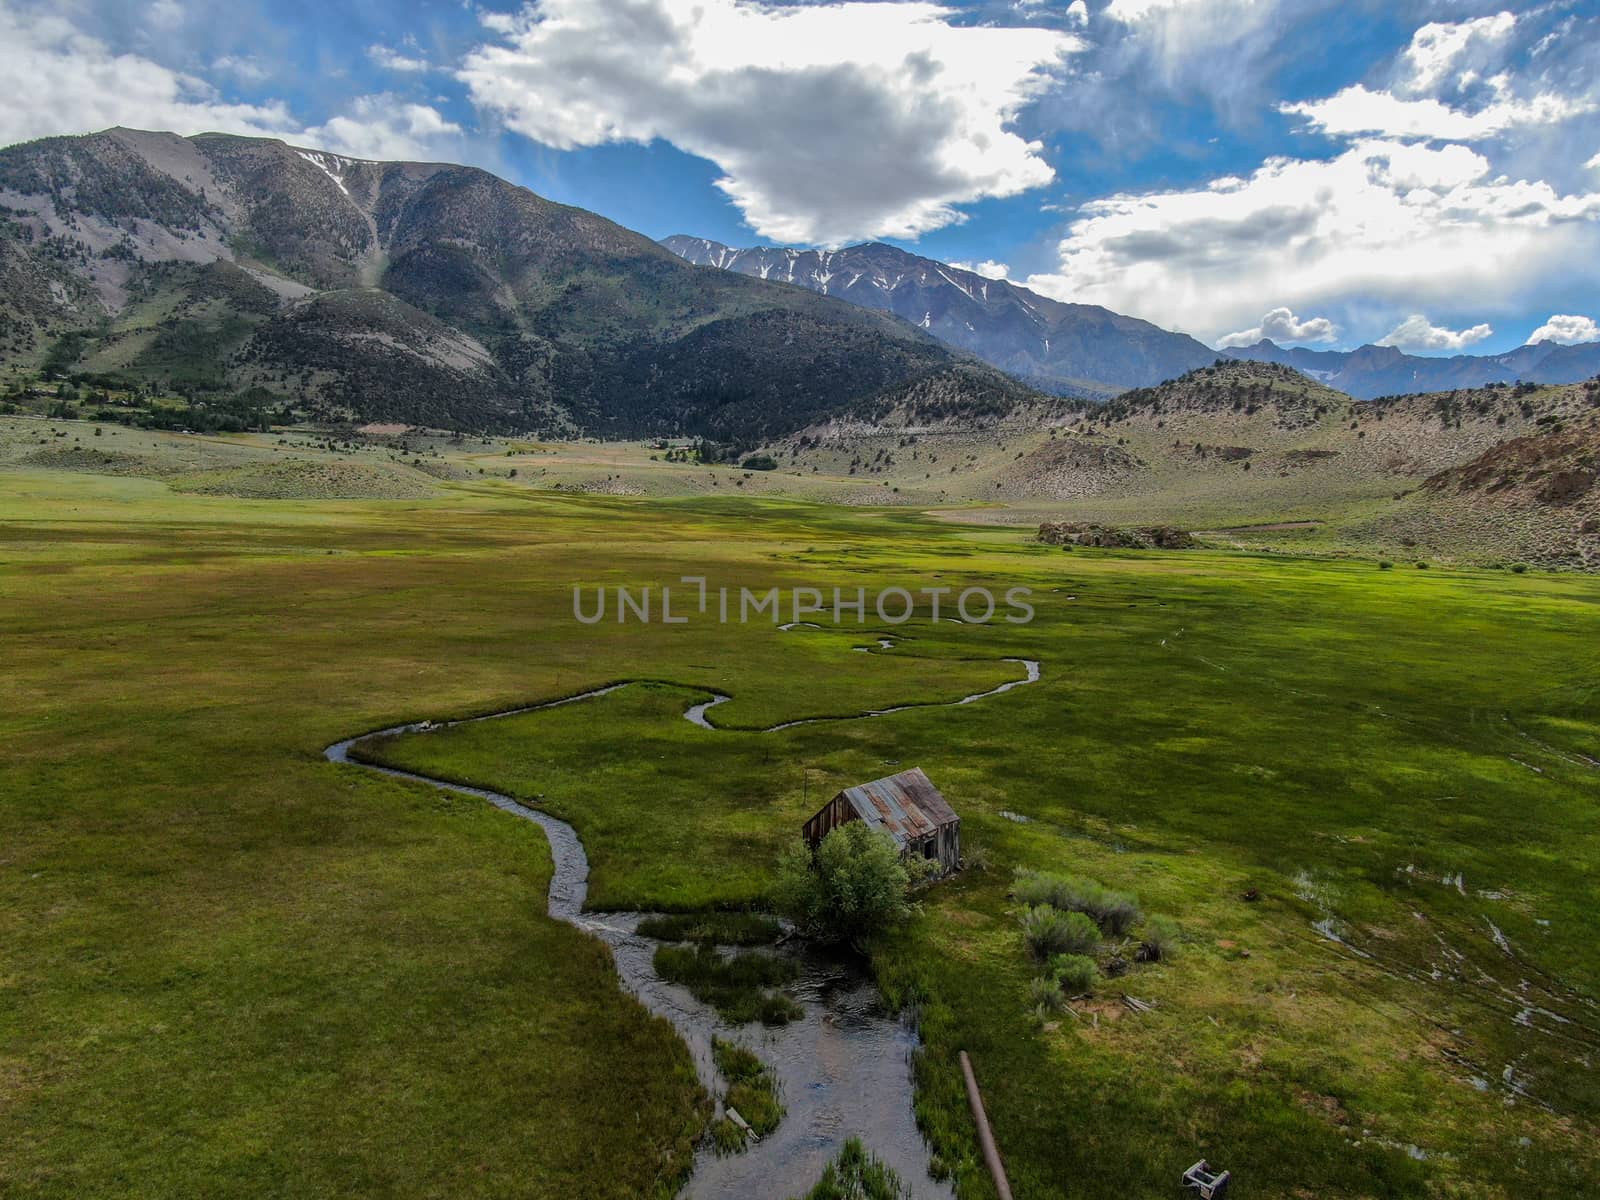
906,806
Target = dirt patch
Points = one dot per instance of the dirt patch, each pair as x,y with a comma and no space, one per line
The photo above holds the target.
1319,1104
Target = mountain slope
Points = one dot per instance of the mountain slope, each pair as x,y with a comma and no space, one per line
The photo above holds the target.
1372,371
420,292
1069,349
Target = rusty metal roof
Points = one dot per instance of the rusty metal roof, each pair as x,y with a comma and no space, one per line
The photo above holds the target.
906,805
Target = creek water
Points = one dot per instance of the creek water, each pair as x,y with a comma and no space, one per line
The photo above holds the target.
843,1068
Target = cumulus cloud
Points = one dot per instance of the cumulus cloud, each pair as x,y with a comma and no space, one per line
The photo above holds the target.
383,127
1416,332
1440,50
1281,326
1451,82
988,268
1386,221
78,84
829,122
1594,163
1567,329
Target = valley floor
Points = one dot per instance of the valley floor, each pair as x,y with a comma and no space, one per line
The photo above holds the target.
230,968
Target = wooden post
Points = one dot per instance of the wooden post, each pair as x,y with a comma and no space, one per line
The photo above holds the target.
991,1153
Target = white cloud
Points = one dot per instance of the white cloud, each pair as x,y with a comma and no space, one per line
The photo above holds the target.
392,60
1594,163
1466,61
830,122
1567,329
1078,13
166,14
383,127
1391,223
78,84
1130,11
241,66
1281,326
988,268
1416,332
1357,110
1439,48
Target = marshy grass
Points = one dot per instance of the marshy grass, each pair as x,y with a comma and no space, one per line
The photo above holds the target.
713,928
857,1175
752,1092
740,986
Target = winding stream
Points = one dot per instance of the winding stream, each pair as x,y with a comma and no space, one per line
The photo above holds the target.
843,1068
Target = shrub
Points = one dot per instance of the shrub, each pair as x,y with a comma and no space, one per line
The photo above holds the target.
1115,912
760,462
1519,568
1074,973
853,886
1160,941
1385,565
1044,993
1050,931
1421,566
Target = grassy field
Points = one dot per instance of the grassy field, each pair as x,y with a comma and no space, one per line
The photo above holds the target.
232,969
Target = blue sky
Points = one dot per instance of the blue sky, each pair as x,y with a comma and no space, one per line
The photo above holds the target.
1421,173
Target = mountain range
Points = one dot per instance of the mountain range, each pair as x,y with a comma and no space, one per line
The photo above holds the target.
1084,350
435,294
418,292
1067,349
1372,371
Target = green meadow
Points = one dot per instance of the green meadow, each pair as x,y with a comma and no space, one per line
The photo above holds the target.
230,968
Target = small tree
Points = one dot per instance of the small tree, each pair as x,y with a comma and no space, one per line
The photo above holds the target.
852,887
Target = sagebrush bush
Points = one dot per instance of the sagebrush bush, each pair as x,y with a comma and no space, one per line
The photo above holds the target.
1160,940
1074,973
1115,912
1049,931
1044,992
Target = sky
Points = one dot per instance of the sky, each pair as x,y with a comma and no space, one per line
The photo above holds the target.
1416,173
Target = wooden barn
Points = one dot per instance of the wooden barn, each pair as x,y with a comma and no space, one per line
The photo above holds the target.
906,806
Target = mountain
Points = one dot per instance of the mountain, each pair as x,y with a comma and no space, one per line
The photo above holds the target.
1372,371
1068,349
418,292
